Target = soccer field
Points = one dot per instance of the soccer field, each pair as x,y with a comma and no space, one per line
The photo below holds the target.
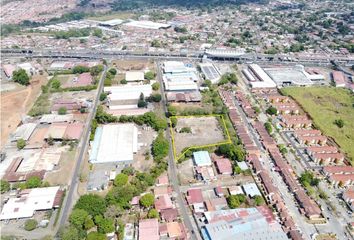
325,105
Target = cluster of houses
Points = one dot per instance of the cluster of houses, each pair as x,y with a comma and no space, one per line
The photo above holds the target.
167,226
307,205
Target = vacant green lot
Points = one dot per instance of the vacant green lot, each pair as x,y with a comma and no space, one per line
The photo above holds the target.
325,105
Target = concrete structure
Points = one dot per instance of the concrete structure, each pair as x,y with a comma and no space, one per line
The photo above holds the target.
127,92
202,158
29,201
264,80
178,77
289,76
133,76
114,143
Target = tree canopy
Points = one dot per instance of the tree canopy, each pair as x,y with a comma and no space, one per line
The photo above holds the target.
160,147
92,204
147,200
121,179
20,76
4,186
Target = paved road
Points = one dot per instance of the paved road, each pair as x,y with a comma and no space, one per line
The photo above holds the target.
68,203
172,170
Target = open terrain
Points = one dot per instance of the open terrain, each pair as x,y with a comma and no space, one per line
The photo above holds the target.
15,104
325,105
203,131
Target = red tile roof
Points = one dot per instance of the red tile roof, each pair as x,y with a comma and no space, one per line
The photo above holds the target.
194,196
223,165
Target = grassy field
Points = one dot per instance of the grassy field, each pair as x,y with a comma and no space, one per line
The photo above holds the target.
325,105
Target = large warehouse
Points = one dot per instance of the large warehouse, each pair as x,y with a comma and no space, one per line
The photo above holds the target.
115,143
178,77
127,92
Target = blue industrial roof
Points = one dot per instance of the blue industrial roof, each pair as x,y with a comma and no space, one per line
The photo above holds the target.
202,158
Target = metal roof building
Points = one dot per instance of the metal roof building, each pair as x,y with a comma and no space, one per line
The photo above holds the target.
210,72
147,25
202,158
31,200
251,189
23,132
114,143
128,92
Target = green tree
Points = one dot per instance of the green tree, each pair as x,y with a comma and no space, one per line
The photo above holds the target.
149,75
142,103
78,218
121,179
258,200
92,203
123,81
185,130
97,33
56,84
232,151
339,123
80,69
21,143
4,186
20,76
234,201
308,178
30,224
160,147
95,70
156,43
70,233
272,111
103,96
172,111
33,182
112,71
128,171
96,236
237,170
268,127
156,97
155,86
88,223
62,111
104,225
147,200
153,213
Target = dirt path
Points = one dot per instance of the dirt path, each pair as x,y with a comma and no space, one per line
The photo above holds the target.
15,104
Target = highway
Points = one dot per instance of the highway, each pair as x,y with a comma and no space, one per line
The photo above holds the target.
68,202
172,171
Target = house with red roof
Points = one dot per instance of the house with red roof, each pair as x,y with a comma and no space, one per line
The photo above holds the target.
148,229
223,165
163,202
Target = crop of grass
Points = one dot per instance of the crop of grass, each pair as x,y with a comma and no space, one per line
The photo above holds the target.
325,105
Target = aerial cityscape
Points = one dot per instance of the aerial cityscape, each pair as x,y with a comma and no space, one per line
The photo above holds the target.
175,119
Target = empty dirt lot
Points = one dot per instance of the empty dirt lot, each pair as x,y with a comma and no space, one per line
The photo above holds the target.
204,130
15,104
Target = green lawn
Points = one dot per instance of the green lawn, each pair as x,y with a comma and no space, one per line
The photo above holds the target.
325,105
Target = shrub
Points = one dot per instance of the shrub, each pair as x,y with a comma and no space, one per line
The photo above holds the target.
33,182
112,71
21,143
30,224
4,186
121,179
156,97
258,200
62,111
155,86
339,123
56,84
123,81
149,75
160,147
271,111
103,96
96,236
153,213
186,130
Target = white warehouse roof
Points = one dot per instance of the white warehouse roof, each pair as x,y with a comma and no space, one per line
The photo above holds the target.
134,76
114,143
128,92
147,24
29,201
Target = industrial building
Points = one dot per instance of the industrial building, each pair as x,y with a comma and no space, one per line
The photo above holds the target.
210,72
179,77
114,143
260,79
127,92
202,158
28,201
23,132
147,25
242,223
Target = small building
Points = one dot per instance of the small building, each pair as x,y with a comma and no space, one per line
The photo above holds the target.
223,166
163,202
194,196
251,190
202,158
149,229
134,76
243,165
28,201
175,230
339,78
55,118
348,197
23,132
234,190
169,215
